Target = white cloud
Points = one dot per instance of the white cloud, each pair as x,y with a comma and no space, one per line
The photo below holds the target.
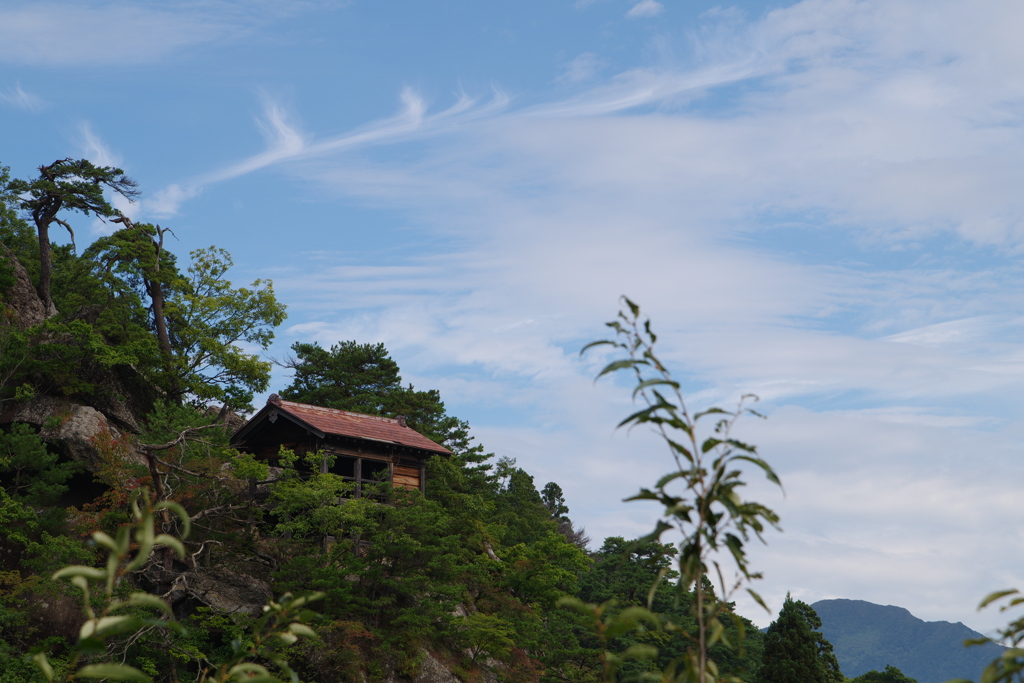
840,237
166,202
581,68
115,32
95,150
18,97
645,8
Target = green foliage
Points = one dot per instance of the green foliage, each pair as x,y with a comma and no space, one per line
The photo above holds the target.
890,675
795,651
700,497
519,510
28,472
208,320
66,185
116,616
15,233
554,500
623,575
72,185
282,624
307,506
1008,667
609,624
486,635
364,378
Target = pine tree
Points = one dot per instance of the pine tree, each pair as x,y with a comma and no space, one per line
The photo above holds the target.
795,652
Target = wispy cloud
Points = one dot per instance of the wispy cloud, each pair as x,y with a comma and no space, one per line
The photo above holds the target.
645,8
94,149
286,143
116,32
839,237
581,68
18,97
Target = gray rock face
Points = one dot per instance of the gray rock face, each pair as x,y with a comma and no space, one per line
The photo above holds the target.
433,670
80,433
22,303
226,591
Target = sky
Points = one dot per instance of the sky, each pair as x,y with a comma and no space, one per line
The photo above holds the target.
816,202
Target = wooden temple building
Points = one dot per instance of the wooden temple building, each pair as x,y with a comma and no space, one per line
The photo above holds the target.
366,448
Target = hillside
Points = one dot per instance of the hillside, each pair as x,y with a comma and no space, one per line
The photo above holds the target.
867,637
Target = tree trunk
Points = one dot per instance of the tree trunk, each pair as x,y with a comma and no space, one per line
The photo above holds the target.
45,266
156,295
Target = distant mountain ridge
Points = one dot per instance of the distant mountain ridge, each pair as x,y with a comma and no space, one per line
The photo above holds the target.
868,637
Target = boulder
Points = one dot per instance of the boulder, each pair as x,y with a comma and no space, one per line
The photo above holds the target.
76,431
431,670
224,591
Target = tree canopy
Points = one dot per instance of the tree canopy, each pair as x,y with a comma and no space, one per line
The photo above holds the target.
67,185
889,675
363,378
795,651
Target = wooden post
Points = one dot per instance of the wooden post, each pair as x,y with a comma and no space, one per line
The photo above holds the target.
391,481
359,477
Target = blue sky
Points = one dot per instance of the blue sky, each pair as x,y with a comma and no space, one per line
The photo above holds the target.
818,202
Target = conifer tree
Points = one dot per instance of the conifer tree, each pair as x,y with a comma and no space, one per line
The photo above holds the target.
795,652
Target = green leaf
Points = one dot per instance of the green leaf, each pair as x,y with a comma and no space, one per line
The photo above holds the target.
44,665
758,599
577,605
104,626
88,573
992,597
302,630
640,651
106,541
247,668
709,443
117,672
177,509
143,600
165,539
597,343
620,365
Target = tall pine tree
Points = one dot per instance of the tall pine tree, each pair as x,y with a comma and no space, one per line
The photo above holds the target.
795,652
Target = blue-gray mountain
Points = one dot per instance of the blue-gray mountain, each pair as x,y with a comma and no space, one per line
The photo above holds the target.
868,637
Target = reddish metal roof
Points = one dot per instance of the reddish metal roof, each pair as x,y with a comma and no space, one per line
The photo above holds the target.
344,423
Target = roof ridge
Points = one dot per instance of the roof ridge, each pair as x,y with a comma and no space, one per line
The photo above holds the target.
380,418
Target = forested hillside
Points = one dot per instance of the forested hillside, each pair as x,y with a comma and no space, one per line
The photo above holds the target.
122,370
137,544
868,636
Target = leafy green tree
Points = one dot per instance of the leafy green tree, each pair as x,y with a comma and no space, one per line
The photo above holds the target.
208,319
133,261
197,319
795,651
890,675
67,185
